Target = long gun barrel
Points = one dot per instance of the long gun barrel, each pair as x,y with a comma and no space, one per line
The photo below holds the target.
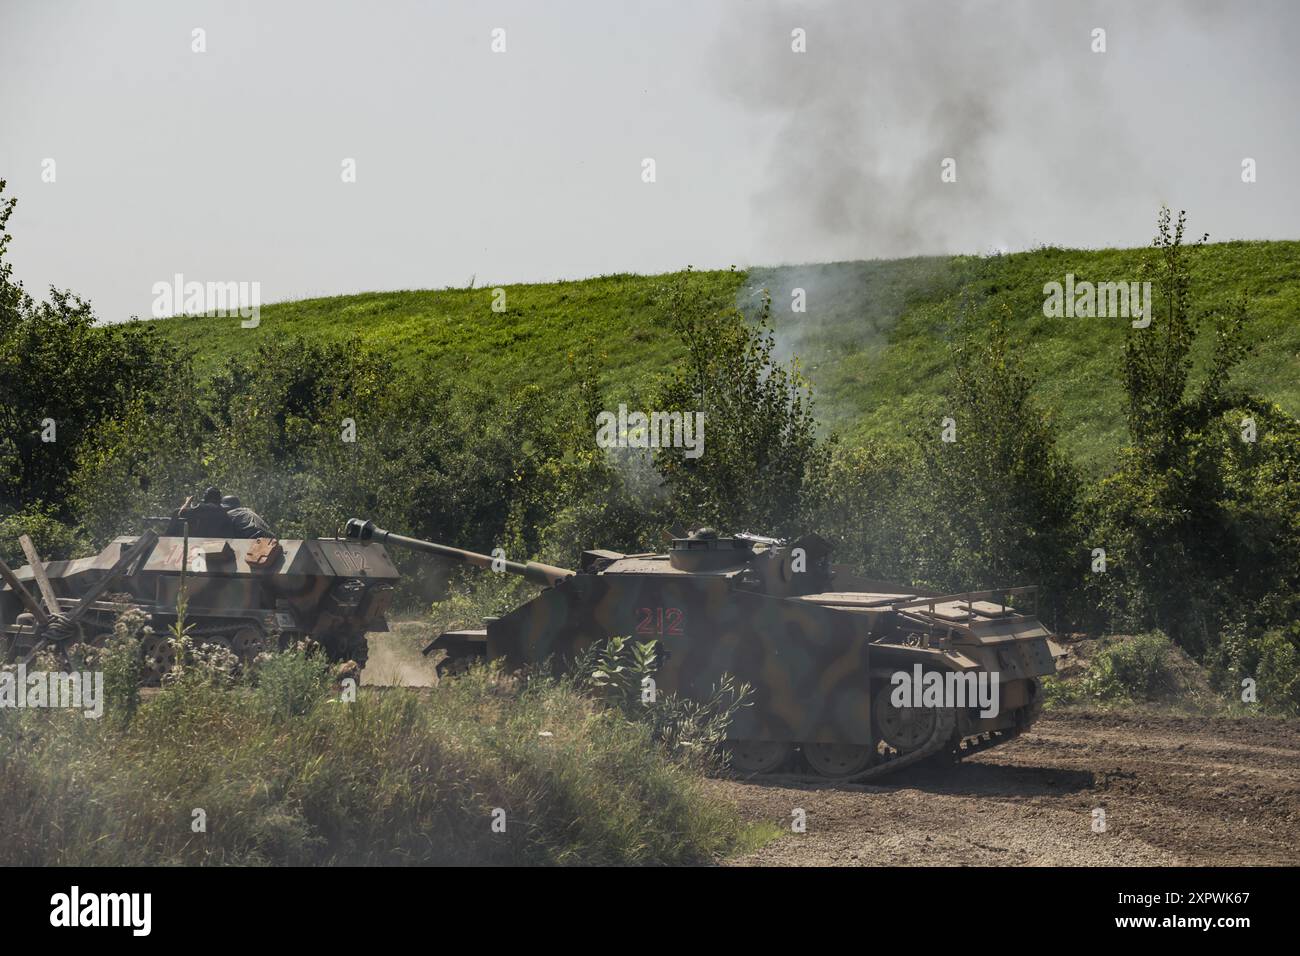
544,574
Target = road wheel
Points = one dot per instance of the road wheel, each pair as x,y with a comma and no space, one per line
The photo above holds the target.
159,659
903,728
838,760
247,643
758,756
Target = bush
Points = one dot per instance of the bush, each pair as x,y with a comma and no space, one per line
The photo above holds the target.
55,540
1279,673
620,672
1057,692
1136,669
292,682
1271,659
123,666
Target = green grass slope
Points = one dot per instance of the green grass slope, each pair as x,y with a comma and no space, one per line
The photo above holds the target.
454,333
874,337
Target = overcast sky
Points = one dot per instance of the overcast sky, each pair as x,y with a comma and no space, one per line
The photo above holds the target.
226,165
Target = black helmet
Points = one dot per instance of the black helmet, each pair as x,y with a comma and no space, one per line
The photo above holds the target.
212,496
230,501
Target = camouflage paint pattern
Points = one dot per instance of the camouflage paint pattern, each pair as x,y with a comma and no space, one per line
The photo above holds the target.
816,657
330,589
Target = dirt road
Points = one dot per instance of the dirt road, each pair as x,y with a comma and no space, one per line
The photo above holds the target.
1175,791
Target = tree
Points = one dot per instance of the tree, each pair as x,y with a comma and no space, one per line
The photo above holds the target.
999,500
1199,521
760,440
62,377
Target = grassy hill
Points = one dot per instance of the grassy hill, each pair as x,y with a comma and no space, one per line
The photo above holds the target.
454,333
874,339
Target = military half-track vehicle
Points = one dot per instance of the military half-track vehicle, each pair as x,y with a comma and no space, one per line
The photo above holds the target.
822,650
244,594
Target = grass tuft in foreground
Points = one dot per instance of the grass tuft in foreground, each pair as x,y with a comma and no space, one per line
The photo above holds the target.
283,772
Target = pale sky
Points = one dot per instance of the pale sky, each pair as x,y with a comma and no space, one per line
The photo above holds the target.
527,165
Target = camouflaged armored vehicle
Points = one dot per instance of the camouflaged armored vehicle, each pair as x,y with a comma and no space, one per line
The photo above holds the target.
821,649
244,594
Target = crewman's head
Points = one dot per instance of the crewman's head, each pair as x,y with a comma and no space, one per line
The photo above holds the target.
212,496
230,501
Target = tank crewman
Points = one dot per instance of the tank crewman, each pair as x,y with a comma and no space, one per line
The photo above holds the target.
207,519
247,522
